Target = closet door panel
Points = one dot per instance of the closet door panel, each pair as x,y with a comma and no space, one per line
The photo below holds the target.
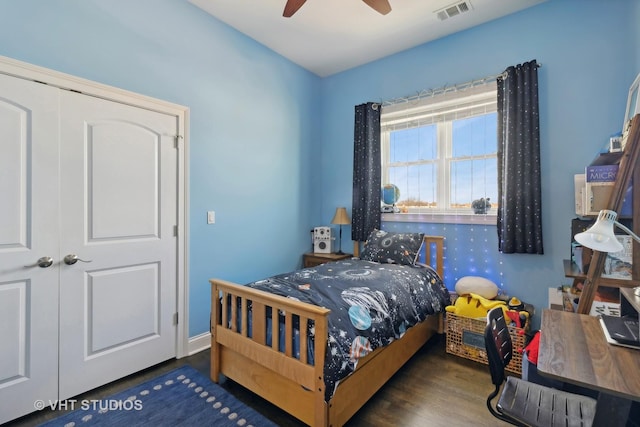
14,164
130,194
28,232
131,312
13,311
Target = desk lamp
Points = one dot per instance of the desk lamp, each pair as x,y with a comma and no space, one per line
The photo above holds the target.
341,218
600,236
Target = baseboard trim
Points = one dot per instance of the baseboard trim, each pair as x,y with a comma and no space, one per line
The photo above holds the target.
199,343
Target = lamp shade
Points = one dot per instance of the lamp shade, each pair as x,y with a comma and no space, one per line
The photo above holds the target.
341,217
600,236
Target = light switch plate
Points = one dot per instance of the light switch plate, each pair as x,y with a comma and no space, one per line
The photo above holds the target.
211,217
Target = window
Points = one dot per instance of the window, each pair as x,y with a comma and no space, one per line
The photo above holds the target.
440,152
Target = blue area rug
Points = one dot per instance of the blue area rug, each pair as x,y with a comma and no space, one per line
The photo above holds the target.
182,397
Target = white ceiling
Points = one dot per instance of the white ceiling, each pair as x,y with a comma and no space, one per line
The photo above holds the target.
329,36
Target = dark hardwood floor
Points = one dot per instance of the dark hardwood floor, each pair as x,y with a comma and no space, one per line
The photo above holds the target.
433,389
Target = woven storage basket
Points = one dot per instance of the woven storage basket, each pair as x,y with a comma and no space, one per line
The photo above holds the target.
465,338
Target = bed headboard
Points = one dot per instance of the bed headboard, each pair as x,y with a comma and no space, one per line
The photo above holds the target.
433,249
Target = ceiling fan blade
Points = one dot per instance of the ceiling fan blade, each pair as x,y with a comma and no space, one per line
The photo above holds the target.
292,7
380,6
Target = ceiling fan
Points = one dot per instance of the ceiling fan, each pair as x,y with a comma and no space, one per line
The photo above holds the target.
380,6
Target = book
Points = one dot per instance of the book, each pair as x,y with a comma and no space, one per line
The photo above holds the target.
601,173
611,340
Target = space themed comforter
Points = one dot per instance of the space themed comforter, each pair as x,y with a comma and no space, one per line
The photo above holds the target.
371,305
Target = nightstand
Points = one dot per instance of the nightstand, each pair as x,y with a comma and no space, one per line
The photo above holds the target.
311,259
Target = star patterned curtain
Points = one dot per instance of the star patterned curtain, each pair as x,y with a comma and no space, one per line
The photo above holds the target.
519,189
367,171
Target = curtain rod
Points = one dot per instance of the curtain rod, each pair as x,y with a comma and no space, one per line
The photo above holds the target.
444,89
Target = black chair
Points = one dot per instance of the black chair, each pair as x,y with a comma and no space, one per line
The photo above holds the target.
523,403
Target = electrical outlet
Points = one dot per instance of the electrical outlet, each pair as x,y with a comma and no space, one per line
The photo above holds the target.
211,217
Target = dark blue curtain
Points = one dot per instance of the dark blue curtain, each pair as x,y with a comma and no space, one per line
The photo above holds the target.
367,171
519,189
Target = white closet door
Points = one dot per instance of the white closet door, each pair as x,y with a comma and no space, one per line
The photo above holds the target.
118,198
29,229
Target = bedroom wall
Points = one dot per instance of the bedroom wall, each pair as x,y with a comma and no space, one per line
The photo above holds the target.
253,119
589,57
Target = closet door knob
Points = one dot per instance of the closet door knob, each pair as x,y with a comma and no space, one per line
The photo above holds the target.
73,258
43,262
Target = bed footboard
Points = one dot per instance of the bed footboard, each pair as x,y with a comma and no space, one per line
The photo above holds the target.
295,384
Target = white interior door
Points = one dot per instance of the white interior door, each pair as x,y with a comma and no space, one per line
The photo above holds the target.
101,180
118,198
28,231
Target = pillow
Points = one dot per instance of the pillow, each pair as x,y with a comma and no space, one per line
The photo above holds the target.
476,285
392,248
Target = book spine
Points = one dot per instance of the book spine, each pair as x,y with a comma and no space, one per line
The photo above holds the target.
602,173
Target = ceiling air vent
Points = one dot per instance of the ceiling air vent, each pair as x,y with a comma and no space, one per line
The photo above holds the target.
453,10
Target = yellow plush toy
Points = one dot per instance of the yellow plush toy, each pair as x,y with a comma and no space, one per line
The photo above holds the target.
474,305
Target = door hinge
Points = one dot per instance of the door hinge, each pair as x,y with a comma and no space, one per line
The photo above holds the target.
177,140
175,231
175,318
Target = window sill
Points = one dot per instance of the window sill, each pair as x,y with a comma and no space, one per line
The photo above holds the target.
440,218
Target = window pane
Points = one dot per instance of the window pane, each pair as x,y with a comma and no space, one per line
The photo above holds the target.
408,145
472,180
417,184
475,136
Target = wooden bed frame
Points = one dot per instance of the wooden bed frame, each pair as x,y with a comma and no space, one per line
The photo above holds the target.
293,384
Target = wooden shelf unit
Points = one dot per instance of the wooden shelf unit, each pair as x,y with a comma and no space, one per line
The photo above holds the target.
628,172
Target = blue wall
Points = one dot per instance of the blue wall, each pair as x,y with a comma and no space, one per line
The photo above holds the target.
586,72
271,144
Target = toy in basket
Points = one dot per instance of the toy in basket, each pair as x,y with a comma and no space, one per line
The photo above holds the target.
466,320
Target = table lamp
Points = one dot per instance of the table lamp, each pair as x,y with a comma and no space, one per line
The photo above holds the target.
341,218
600,236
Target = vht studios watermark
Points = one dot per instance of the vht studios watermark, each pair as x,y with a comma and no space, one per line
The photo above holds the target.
87,405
